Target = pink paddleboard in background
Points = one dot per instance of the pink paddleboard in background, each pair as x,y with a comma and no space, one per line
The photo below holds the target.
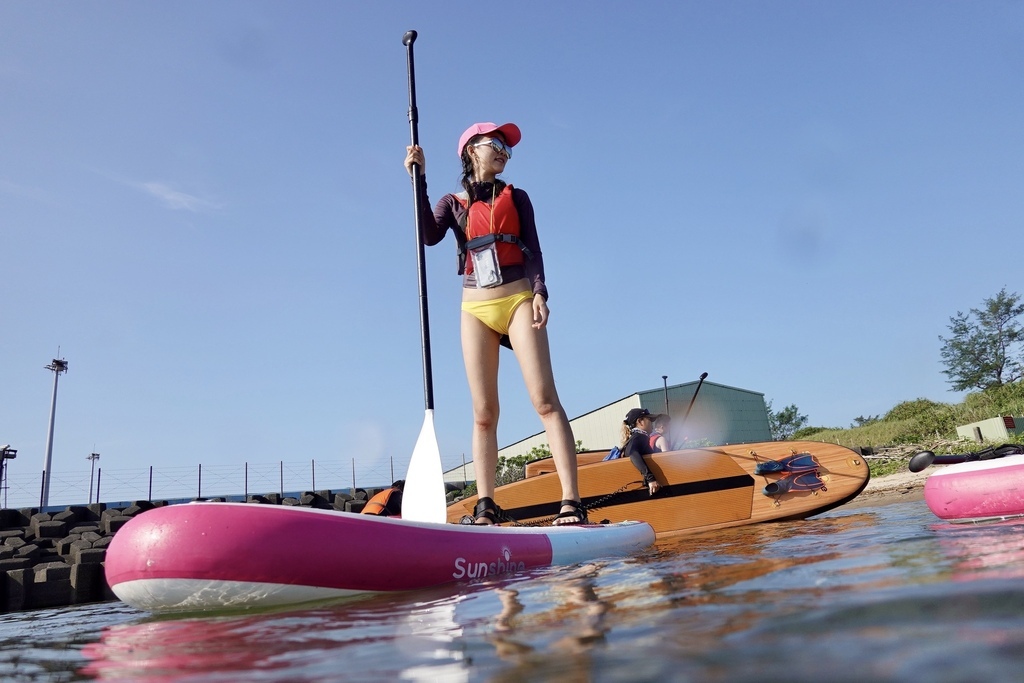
979,490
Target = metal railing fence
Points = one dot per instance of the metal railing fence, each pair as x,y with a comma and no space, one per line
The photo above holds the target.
24,489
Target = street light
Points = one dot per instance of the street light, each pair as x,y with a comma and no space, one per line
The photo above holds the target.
93,457
6,453
57,366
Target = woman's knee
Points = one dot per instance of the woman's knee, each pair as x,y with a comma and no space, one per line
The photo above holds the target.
547,405
485,418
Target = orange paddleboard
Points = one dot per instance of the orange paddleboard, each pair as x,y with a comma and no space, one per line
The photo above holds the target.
702,488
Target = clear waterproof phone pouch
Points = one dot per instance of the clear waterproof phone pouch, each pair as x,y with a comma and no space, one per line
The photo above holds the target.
483,251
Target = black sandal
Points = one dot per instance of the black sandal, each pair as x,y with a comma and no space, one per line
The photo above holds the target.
578,512
487,509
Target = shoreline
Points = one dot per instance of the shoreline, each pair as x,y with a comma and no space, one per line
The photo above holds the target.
900,487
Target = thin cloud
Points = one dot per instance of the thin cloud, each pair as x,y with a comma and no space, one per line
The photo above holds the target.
176,200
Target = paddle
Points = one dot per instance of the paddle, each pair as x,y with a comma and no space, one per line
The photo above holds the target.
423,498
925,458
703,376
686,415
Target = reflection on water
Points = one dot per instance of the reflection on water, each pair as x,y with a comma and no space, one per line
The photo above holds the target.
883,593
569,630
285,645
992,550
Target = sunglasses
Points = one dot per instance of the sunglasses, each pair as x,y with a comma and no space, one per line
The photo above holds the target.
497,145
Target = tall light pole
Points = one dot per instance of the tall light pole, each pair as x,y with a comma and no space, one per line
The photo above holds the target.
57,366
94,457
664,379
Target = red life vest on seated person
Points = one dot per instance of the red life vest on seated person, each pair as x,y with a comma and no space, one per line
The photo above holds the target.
500,218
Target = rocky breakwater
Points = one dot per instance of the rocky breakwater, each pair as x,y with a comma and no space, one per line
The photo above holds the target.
51,559
54,559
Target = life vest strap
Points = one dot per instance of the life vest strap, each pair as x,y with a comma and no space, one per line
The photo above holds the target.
484,240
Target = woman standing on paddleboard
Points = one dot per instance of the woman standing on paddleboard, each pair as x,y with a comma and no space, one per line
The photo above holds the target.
504,301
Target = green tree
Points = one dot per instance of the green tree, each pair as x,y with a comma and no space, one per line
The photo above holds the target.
984,349
784,423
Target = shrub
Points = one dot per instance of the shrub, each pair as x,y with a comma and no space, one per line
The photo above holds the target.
514,468
909,410
811,432
1006,399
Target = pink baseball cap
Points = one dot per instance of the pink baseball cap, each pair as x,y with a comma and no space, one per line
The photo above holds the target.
509,131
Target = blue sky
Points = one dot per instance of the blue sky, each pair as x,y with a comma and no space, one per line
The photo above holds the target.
203,206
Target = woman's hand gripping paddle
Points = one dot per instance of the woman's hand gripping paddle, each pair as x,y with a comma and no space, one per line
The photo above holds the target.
423,499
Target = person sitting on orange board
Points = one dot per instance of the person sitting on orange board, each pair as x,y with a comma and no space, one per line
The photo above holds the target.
636,443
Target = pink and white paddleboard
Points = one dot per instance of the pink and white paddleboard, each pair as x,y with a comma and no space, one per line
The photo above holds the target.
224,556
979,490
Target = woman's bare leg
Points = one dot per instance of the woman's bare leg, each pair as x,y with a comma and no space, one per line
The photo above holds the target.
480,346
534,356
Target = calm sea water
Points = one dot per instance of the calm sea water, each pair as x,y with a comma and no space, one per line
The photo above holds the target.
873,593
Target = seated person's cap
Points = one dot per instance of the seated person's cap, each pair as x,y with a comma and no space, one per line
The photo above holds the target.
635,414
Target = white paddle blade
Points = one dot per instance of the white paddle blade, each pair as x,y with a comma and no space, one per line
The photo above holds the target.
423,496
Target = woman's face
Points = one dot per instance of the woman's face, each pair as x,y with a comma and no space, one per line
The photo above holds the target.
645,423
489,156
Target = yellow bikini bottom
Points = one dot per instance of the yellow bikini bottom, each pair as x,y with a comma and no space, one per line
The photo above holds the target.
496,313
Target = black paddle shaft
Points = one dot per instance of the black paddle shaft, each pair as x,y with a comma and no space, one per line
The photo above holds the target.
700,383
417,182
924,459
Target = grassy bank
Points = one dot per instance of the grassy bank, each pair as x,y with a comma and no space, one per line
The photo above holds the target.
922,424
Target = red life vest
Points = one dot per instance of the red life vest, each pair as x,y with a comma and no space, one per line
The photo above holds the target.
501,219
